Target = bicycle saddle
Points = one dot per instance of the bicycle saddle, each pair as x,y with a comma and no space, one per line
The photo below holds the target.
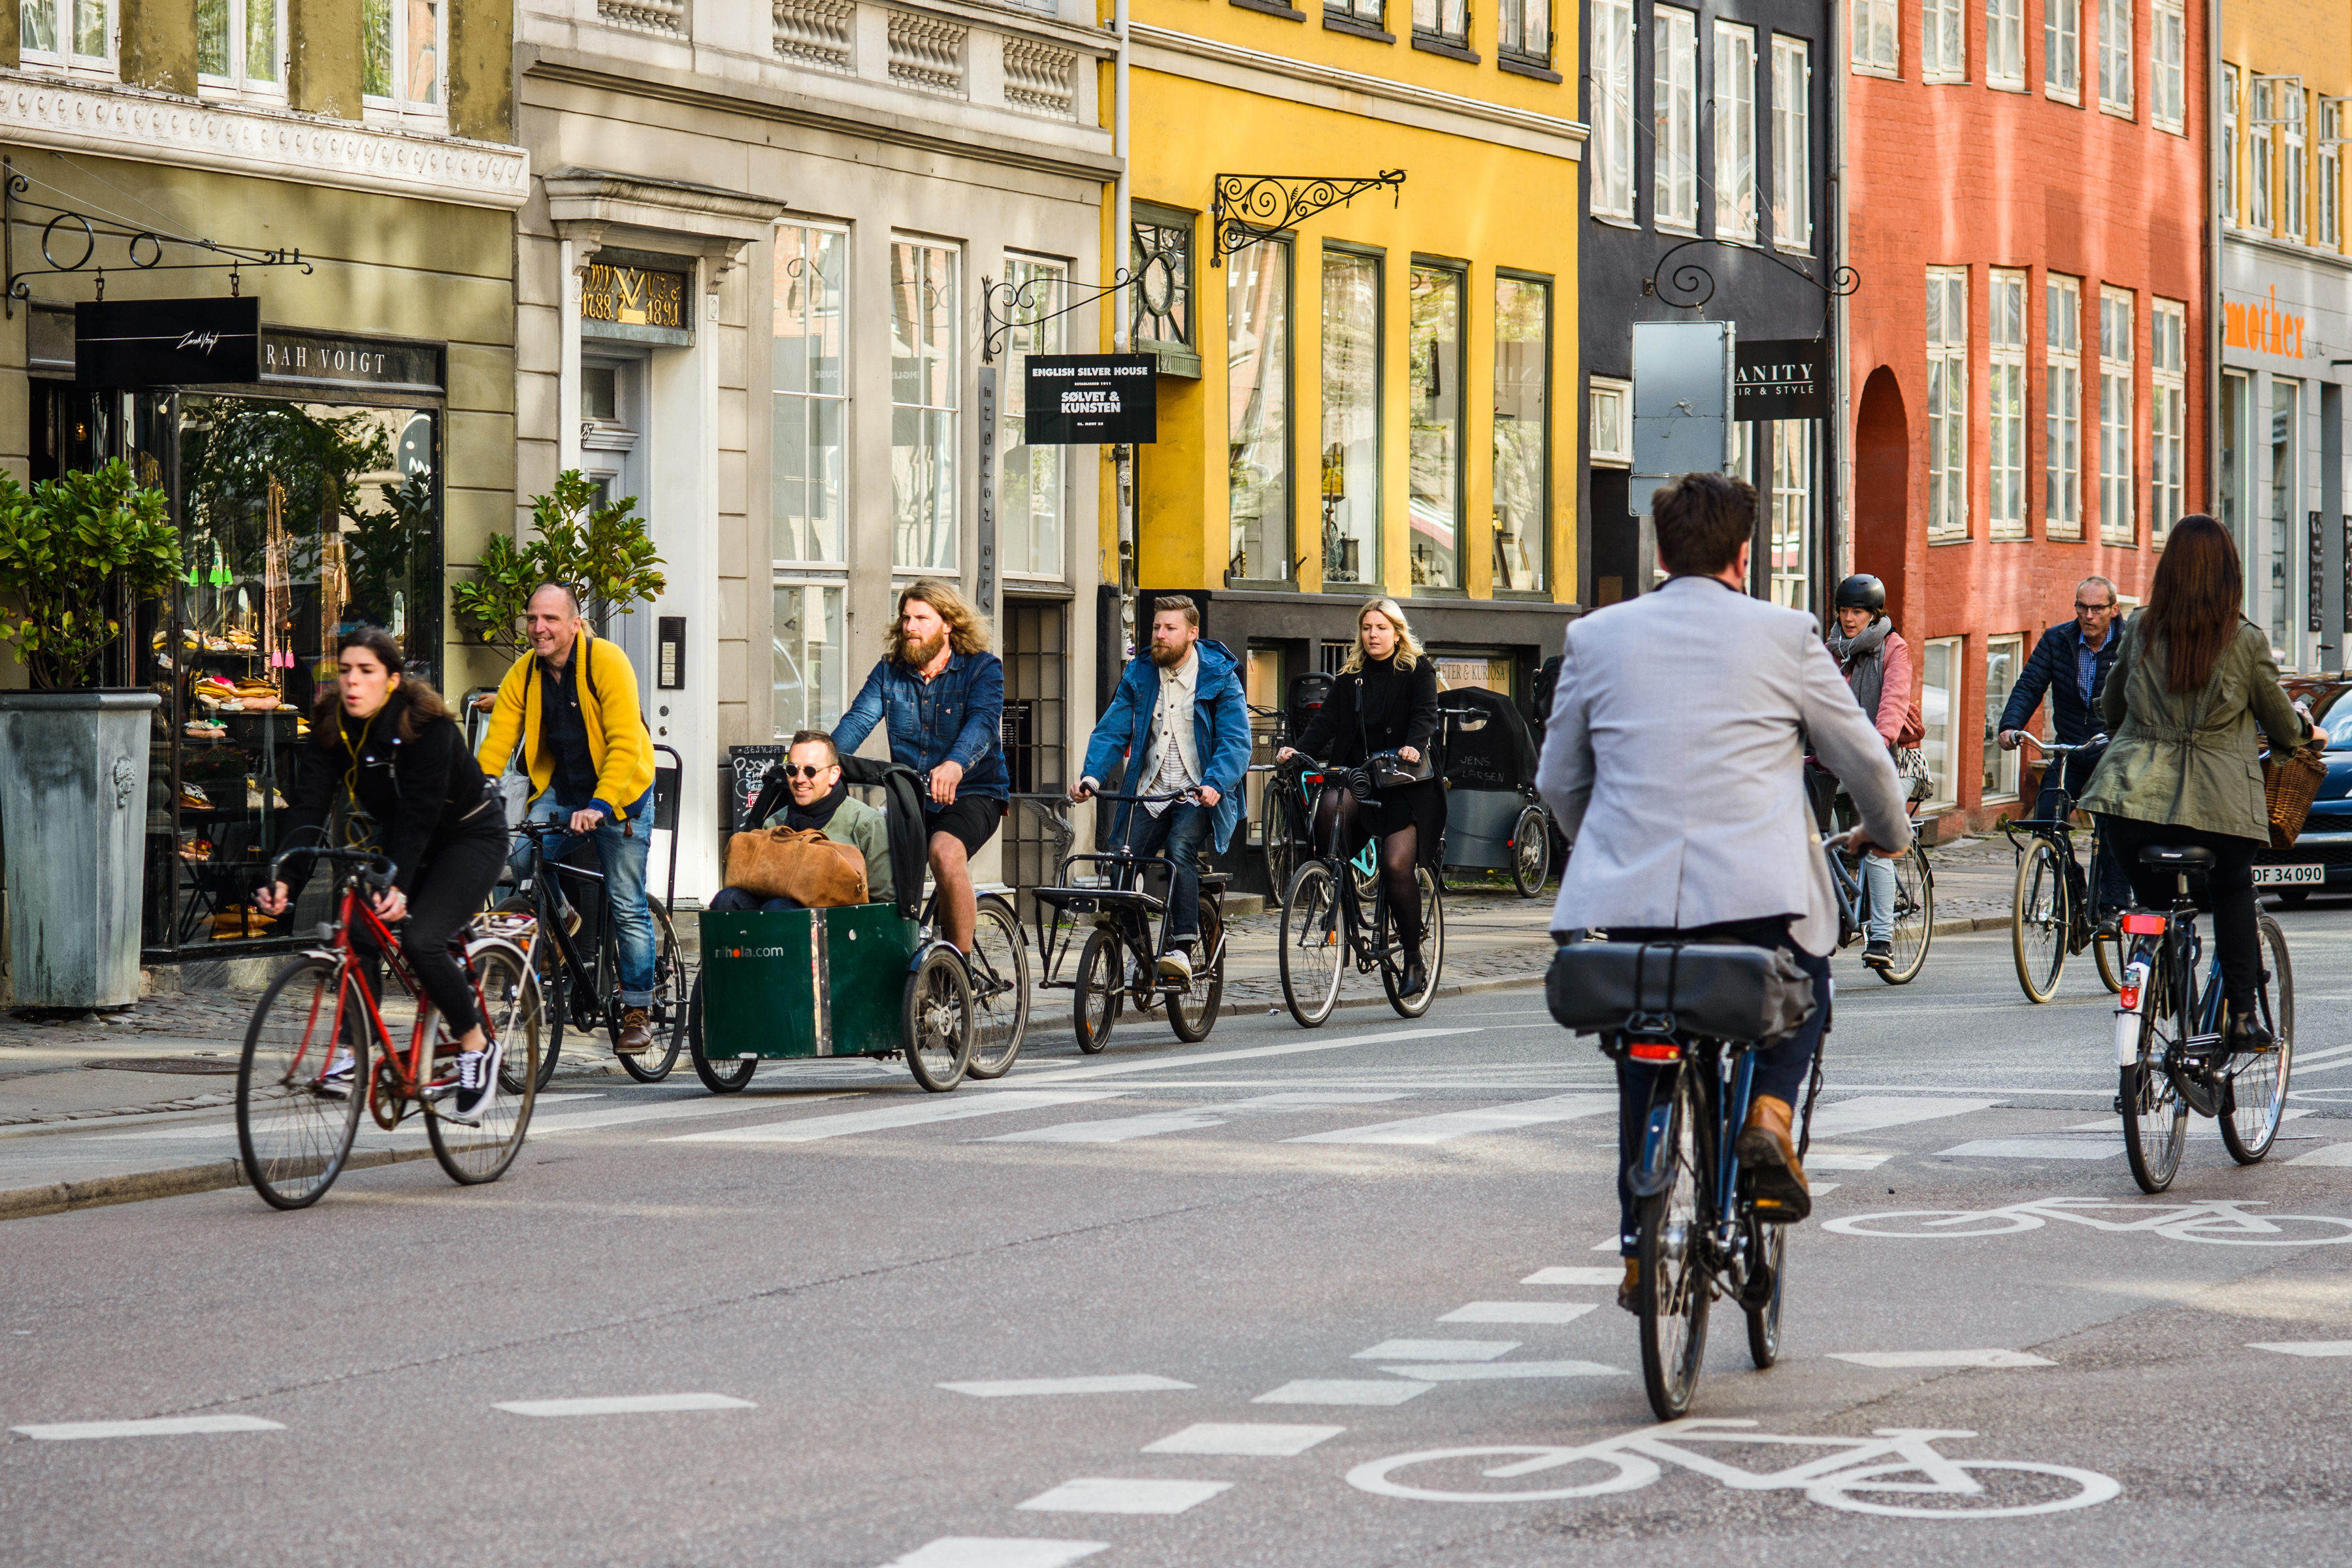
2179,857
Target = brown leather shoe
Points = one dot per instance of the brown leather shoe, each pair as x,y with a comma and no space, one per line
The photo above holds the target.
1775,1179
636,1037
1629,1293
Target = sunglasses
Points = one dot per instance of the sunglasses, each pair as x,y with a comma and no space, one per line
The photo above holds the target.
2080,605
793,772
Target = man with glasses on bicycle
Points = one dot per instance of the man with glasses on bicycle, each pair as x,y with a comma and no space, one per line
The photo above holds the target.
817,799
1674,760
1181,722
2071,663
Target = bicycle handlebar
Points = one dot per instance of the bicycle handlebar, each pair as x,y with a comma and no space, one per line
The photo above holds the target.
1146,799
379,873
2027,738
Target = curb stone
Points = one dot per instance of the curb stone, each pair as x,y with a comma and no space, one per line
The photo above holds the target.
212,1175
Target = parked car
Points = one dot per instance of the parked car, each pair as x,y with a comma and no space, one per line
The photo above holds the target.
2321,860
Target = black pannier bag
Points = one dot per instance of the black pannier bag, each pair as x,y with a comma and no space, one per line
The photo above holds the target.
1715,990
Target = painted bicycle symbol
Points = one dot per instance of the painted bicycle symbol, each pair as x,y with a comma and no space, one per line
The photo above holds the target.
2217,1221
1896,1472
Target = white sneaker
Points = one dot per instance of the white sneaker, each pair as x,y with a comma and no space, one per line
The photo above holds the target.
1176,964
335,1083
478,1087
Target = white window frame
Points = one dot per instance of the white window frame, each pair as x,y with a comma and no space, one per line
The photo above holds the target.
396,106
2062,460
1673,114
2168,355
1605,388
1524,31
832,698
1943,41
2260,149
2292,188
1049,336
1947,402
2168,47
2230,137
1734,131
847,328
2005,333
2061,50
235,15
2327,176
1939,705
68,59
1877,44
2002,786
2005,45
2119,419
1792,143
1790,536
949,495
2116,65
1612,109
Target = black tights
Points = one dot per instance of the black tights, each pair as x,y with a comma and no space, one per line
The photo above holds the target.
1400,851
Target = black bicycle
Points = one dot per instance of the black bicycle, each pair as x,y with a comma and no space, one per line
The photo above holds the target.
1283,826
1324,919
2051,915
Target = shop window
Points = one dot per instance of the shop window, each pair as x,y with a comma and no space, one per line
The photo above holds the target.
76,37
2230,145
1609,424
2286,493
1435,470
2116,55
2259,158
1948,402
1943,41
1258,412
1034,494
403,46
1522,432
2167,33
1610,154
2062,49
2237,404
2004,658
2005,399
926,376
1674,109
1939,692
2061,490
1443,21
1262,687
2118,409
808,494
1791,541
1524,33
1792,143
1734,131
241,46
2167,339
1159,256
808,654
1877,38
2005,45
1350,470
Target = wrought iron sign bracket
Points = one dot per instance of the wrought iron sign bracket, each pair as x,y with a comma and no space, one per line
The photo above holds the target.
1000,301
1247,208
145,248
1697,284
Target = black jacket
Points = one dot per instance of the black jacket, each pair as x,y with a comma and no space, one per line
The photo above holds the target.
1338,737
2051,670
421,794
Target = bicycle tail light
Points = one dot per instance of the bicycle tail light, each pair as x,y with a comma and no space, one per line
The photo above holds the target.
2143,925
1654,1051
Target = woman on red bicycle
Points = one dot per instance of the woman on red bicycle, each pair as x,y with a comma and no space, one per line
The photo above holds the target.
385,746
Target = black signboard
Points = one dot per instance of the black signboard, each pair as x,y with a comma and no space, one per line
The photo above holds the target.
1781,378
1076,399
133,343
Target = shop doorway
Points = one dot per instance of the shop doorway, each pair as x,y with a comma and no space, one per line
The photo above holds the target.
1036,675
613,455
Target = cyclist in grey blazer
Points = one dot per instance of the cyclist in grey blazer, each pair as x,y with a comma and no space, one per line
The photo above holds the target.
1672,762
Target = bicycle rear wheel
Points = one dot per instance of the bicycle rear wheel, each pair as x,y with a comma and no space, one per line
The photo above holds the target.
511,1009
1281,848
1311,945
1764,1314
666,1014
1101,991
719,1075
1193,1013
2155,1119
553,998
2108,952
1433,951
1673,1291
1000,989
1530,851
935,1020
2255,1097
294,1130
1914,927
2037,921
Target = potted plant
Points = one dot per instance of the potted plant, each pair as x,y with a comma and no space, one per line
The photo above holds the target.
73,758
603,551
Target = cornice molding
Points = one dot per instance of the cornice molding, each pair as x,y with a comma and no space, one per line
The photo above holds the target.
112,122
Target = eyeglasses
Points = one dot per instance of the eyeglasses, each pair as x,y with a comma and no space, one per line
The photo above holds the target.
2080,605
792,771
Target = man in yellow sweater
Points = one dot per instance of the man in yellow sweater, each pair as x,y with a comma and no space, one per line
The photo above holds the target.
572,701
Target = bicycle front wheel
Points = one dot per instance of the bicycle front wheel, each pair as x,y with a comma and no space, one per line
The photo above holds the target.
511,1012
1672,1290
294,1122
999,998
935,1020
1101,991
1914,926
554,999
2108,952
1530,851
1193,1013
1433,951
1281,848
666,1014
1311,945
2256,1095
2037,921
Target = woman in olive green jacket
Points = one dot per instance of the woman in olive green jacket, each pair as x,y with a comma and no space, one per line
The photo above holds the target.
2191,683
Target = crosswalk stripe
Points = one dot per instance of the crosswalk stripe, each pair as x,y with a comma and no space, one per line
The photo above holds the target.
1109,1494
1196,1059
2034,1149
997,1552
1022,1387
1243,1439
1517,1312
1438,1350
1868,1112
1343,1391
1941,1358
1578,1274
922,1113
1824,1157
1451,1124
157,1426
1479,1372
1193,1119
2337,1155
2284,1347
622,1404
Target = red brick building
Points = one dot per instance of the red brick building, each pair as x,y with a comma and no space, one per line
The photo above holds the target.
2024,182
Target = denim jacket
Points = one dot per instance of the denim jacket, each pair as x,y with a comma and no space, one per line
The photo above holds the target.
958,716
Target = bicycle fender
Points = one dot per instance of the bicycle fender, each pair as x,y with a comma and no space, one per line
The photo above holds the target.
1650,1174
926,951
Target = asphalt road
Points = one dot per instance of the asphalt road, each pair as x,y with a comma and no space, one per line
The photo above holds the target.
1247,1239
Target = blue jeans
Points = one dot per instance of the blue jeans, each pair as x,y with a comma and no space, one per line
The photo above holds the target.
2110,878
1182,830
624,887
738,901
1878,897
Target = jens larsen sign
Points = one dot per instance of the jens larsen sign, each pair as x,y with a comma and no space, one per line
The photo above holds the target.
1072,400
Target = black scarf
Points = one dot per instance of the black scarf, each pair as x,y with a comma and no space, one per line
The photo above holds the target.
799,817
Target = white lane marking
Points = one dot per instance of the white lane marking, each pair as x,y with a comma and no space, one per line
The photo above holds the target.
157,1426
2305,1058
1195,1059
1455,1371
2284,1347
2333,1154
1023,1387
1192,1119
1941,1358
1580,1274
1817,1188
2034,1149
1438,1350
228,1128
997,1552
1342,1391
922,1113
1309,1098
1868,1112
622,1404
1108,1494
1827,1157
1518,1311
1243,1439
1613,1244
1469,1123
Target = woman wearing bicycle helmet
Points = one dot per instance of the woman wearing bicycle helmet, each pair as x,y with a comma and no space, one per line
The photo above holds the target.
385,748
1876,664
1385,700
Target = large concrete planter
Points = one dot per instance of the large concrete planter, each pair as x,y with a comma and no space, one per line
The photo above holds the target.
73,818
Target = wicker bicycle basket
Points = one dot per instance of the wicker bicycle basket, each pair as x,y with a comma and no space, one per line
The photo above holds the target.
2290,784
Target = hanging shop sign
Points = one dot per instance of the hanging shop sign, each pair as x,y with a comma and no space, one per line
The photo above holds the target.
638,298
130,344
1781,378
1682,402
1078,399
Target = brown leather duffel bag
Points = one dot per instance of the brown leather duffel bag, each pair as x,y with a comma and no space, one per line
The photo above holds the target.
819,873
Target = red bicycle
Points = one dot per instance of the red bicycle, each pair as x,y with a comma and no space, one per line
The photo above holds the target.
319,1047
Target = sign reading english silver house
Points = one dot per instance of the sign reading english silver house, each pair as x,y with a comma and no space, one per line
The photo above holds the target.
1074,399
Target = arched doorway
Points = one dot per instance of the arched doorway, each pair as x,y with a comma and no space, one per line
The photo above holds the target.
1882,487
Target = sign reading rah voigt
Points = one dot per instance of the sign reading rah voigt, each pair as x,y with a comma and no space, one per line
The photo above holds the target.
1076,399
134,343
1781,378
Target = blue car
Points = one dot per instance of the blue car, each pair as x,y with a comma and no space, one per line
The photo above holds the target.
2321,859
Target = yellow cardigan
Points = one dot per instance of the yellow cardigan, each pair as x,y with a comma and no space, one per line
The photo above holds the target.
617,740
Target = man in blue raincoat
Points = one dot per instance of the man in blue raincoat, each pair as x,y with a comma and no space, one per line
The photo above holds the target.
1182,724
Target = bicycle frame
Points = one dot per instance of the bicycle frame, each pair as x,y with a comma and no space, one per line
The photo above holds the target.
1725,1092
2171,938
1122,903
410,1077
544,891
1358,928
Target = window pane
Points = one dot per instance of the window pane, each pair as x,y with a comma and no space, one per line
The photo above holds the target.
1522,431
923,416
1257,411
2003,657
90,28
1939,688
1674,105
376,41
212,38
1350,467
261,40
1791,541
1435,465
1031,500
423,52
808,659
807,495
36,27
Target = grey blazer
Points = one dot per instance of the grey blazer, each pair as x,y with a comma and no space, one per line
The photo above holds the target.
1674,762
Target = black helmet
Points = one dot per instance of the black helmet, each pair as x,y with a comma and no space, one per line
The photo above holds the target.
1862,591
